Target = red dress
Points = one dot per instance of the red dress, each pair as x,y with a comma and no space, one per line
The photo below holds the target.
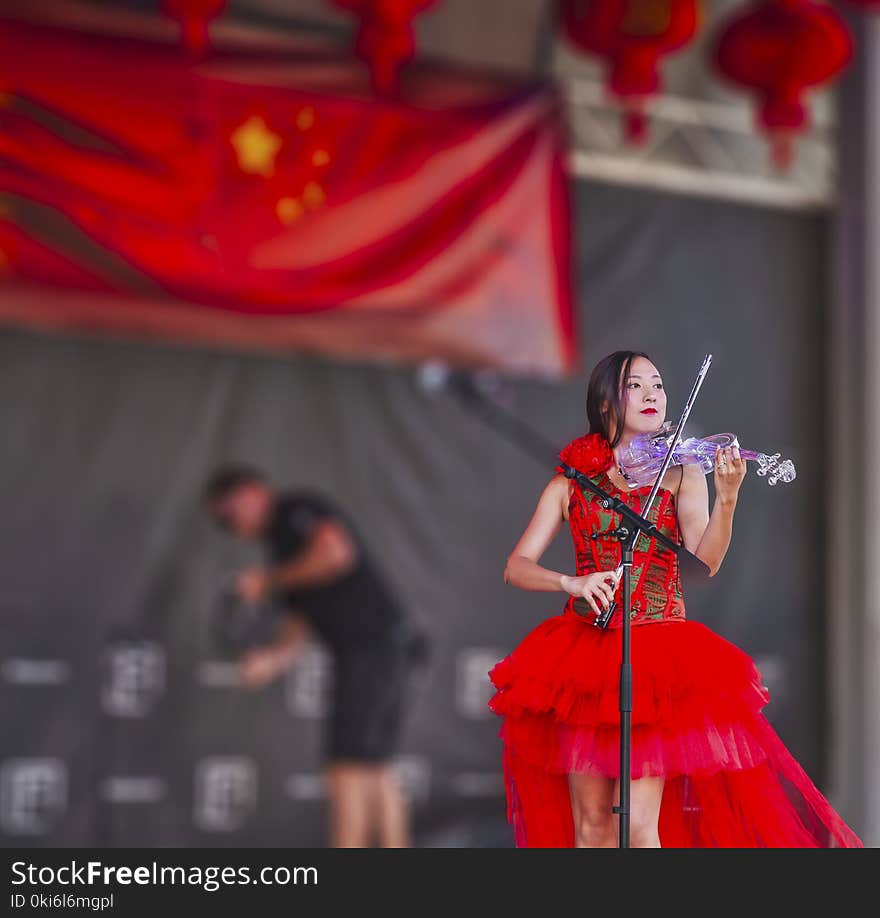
697,700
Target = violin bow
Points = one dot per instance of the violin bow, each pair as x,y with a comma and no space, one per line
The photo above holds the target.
676,436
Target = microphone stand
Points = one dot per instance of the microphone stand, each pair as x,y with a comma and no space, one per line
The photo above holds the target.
631,526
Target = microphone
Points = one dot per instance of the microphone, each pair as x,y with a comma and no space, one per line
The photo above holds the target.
490,398
435,377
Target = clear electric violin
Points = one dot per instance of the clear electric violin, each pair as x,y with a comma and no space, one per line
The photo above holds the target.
642,460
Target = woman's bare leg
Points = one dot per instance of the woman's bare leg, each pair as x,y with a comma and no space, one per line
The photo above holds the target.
646,795
592,797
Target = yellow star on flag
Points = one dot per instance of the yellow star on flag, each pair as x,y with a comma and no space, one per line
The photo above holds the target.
256,146
305,118
288,210
313,195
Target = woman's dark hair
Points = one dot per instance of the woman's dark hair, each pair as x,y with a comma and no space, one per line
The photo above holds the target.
605,389
226,479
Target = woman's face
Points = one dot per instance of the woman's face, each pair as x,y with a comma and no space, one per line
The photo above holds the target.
644,397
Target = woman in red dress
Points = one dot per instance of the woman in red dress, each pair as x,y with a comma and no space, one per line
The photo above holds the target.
708,770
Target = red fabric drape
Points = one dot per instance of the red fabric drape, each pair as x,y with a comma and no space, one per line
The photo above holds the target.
267,201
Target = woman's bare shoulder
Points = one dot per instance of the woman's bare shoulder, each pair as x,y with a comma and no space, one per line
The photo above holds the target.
558,490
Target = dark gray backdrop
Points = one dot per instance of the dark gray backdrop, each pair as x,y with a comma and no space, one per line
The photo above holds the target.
119,726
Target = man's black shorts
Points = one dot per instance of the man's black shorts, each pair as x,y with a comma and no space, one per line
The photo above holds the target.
371,693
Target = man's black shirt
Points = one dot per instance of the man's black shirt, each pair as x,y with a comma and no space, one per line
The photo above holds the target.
355,610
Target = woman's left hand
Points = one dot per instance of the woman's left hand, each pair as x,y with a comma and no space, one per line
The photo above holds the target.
730,470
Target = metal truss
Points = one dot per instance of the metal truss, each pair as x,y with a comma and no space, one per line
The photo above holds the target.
697,147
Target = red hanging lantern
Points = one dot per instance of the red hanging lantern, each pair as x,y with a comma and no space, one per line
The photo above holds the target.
631,36
194,17
385,38
780,49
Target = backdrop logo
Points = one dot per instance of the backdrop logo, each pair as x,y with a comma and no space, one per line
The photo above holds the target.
225,792
133,789
478,783
310,684
472,686
23,671
33,795
134,678
414,775
305,786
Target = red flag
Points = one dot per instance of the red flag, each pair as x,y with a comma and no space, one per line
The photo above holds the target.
267,200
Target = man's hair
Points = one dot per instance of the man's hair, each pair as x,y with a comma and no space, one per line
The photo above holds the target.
227,478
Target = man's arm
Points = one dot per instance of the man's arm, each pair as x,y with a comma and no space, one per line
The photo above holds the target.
331,553
290,638
261,665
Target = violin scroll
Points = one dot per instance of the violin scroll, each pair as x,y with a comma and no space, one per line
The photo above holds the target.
773,470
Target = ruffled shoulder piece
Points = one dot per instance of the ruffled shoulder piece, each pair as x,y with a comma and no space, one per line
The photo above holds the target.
589,454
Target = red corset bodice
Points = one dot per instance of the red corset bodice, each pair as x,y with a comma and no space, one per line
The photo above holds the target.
656,585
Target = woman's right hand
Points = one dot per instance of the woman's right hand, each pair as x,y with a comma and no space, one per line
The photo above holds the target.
597,588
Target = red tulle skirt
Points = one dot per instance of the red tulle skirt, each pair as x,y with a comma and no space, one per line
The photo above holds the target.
696,721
